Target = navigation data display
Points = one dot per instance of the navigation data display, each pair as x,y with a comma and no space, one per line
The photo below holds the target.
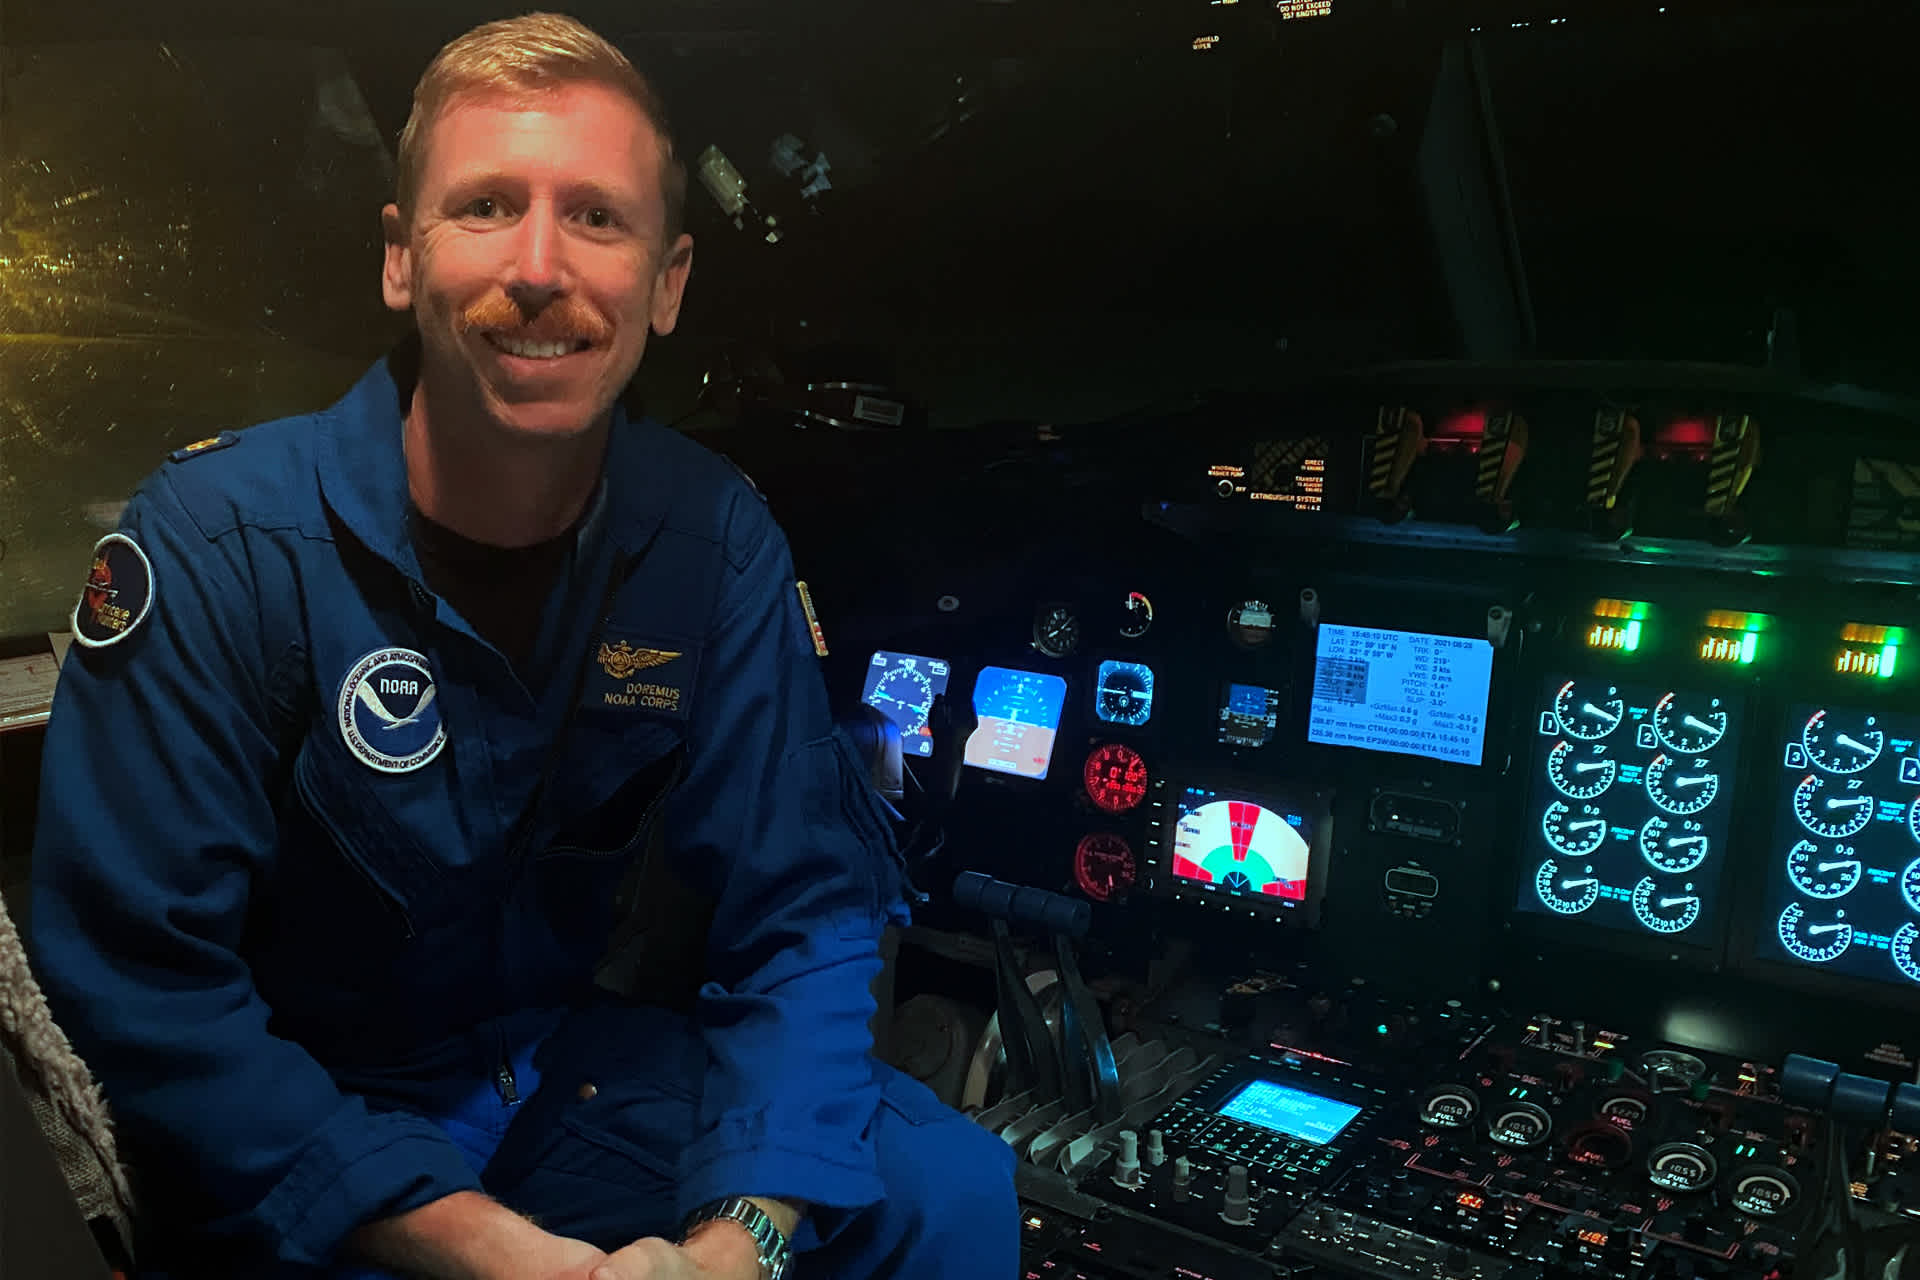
1843,890
1123,693
1294,1112
902,687
1019,714
1404,691
1237,845
1628,810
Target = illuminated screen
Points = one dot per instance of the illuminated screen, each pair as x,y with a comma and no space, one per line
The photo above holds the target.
1248,713
1843,884
1404,691
1628,809
1294,1112
1237,845
1019,714
1124,693
902,687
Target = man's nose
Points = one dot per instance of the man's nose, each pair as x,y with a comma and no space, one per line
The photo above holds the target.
539,266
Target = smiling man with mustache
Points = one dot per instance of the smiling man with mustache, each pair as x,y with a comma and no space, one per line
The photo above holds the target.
446,859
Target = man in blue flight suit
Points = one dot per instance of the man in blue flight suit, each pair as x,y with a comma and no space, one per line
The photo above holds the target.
396,735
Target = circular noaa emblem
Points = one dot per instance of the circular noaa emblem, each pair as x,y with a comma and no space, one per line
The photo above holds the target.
387,711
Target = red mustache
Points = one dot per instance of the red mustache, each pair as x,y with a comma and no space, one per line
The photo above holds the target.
562,320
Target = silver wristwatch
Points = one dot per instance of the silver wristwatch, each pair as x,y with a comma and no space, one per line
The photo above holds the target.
775,1252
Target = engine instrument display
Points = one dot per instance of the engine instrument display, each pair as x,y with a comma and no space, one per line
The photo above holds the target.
902,687
1403,691
1843,893
1629,807
1248,713
1123,693
1019,715
1294,1112
1116,777
1103,866
1237,845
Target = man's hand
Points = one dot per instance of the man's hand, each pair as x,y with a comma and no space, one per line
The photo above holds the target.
713,1253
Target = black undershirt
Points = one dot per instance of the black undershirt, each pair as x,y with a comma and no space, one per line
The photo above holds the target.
501,591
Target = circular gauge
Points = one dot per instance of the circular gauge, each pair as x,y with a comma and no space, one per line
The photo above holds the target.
1760,1191
1588,712
1913,820
1116,777
1670,910
1672,1066
1675,849
1125,695
1681,787
1103,866
1823,877
1250,624
1136,615
905,695
1056,630
1580,773
1519,1124
1815,939
1625,1109
1681,1167
1905,948
1910,885
1842,743
1832,816
1575,833
1449,1106
1566,892
1689,725
1601,1145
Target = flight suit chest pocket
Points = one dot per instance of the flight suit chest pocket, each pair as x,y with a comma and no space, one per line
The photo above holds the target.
349,867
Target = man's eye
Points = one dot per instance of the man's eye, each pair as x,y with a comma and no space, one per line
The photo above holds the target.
481,207
600,217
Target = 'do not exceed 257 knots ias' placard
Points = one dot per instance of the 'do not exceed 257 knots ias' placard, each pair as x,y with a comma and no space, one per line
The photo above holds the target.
1405,691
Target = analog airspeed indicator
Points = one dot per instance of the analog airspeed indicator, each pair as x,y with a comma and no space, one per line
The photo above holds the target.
1689,725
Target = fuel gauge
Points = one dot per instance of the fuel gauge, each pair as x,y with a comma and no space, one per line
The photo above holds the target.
1566,891
1816,939
1672,909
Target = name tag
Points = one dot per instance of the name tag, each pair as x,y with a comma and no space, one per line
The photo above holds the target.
651,676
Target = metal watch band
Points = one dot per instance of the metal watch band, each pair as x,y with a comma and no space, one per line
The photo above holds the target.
775,1252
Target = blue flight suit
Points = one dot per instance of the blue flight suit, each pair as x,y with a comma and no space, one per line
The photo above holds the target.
323,885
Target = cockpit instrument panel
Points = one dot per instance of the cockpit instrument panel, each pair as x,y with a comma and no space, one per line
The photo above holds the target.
1019,719
1629,807
1408,692
902,687
1843,887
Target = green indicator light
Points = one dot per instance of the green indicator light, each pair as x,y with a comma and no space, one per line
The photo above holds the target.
1747,647
1380,1030
1886,660
1633,636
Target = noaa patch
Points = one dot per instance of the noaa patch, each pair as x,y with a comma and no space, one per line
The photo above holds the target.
118,595
387,711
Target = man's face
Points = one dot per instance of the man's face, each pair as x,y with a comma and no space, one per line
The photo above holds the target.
538,228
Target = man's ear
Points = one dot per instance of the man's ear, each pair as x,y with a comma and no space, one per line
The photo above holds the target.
672,287
396,272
